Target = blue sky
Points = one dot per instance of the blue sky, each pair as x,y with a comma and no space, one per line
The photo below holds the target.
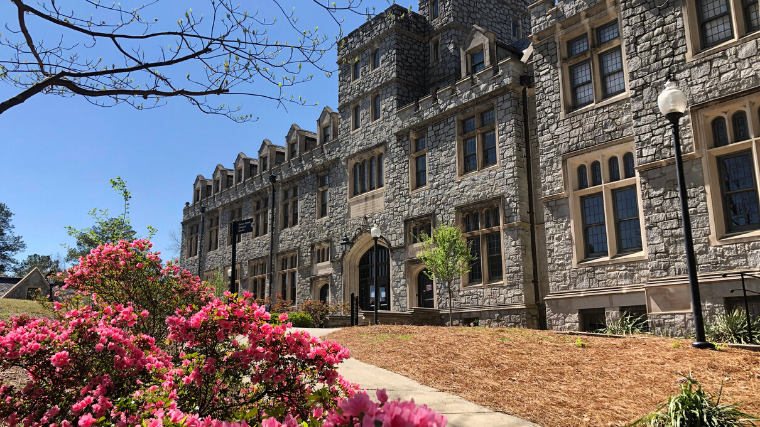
58,154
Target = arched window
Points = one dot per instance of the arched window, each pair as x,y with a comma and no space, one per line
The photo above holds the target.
357,179
629,171
614,169
380,170
495,217
596,173
720,134
363,176
741,130
372,171
467,223
582,177
488,218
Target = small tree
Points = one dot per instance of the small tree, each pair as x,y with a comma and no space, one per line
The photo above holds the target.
10,244
447,255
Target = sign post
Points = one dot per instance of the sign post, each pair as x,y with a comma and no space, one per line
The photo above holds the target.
238,227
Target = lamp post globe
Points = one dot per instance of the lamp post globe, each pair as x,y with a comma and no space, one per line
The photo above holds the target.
672,104
375,232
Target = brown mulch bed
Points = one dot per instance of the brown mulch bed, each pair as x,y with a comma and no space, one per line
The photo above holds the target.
546,378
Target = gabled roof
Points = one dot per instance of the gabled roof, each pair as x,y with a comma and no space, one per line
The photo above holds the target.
35,271
265,144
7,283
294,128
327,111
199,178
241,156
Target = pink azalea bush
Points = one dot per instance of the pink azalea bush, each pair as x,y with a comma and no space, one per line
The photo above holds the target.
141,343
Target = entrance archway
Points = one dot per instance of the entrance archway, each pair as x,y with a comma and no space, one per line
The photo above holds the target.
323,292
425,292
367,276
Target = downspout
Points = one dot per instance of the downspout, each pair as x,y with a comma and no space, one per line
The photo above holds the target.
527,82
200,242
272,180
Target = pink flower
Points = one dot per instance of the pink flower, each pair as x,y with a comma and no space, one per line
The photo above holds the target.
356,405
86,420
382,396
60,359
283,317
270,422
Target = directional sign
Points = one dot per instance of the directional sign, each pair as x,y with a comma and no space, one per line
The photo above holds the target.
244,226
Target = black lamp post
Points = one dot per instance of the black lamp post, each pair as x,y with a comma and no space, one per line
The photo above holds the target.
375,232
273,181
746,302
672,104
51,282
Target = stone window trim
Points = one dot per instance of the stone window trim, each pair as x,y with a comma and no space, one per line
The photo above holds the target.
356,117
416,226
435,50
287,275
321,253
711,150
238,276
235,214
434,9
376,59
589,29
609,186
365,158
376,109
323,196
260,216
742,32
208,275
482,233
356,68
479,133
418,152
193,235
212,232
257,277
289,209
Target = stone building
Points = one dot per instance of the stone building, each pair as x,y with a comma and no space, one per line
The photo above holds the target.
435,124
609,186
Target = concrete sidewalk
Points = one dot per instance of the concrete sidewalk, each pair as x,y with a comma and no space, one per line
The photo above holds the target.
459,412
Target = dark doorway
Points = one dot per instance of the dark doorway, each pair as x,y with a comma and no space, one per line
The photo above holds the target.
323,292
367,277
425,294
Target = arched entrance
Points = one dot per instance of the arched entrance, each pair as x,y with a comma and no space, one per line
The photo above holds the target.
425,293
367,279
323,292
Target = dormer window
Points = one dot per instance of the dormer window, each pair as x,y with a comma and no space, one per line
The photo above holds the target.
279,158
293,149
208,190
310,143
326,134
197,195
478,61
264,164
216,186
239,175
252,169
229,181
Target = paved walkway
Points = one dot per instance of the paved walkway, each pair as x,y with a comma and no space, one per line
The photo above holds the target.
459,412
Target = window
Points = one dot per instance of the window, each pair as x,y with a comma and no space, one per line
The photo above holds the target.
208,190
739,191
192,240
478,141
293,149
737,303
637,313
367,174
592,320
236,214
230,181
212,234
478,61
376,107
720,134
741,130
627,225
257,271
356,70
614,168
239,176
434,9
264,164
322,195
516,29
714,21
279,158
252,170
751,10
322,253
605,204
260,216
290,207
197,195
418,228
357,117
288,276
482,229
596,173
601,62
435,50
326,134
375,58
33,293
216,186
419,162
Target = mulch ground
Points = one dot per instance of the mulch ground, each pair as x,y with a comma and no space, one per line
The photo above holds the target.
546,378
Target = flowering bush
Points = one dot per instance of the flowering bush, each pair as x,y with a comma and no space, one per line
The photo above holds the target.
217,362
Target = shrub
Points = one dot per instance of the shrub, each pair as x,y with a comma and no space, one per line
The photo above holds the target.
732,328
318,310
625,325
693,407
301,320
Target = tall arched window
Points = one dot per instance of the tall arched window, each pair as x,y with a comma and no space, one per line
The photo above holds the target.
628,165
614,169
741,130
363,176
467,223
720,134
372,171
596,173
380,170
357,179
582,177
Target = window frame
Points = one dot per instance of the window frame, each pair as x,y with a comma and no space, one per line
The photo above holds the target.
212,231
234,214
479,133
257,273
618,220
435,11
726,194
356,70
193,238
375,60
356,117
288,276
376,107
260,216
473,64
359,174
323,188
587,226
289,207
416,154
603,76
701,23
480,234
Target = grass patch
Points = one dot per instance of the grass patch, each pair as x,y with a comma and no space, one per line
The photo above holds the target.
16,307
547,378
